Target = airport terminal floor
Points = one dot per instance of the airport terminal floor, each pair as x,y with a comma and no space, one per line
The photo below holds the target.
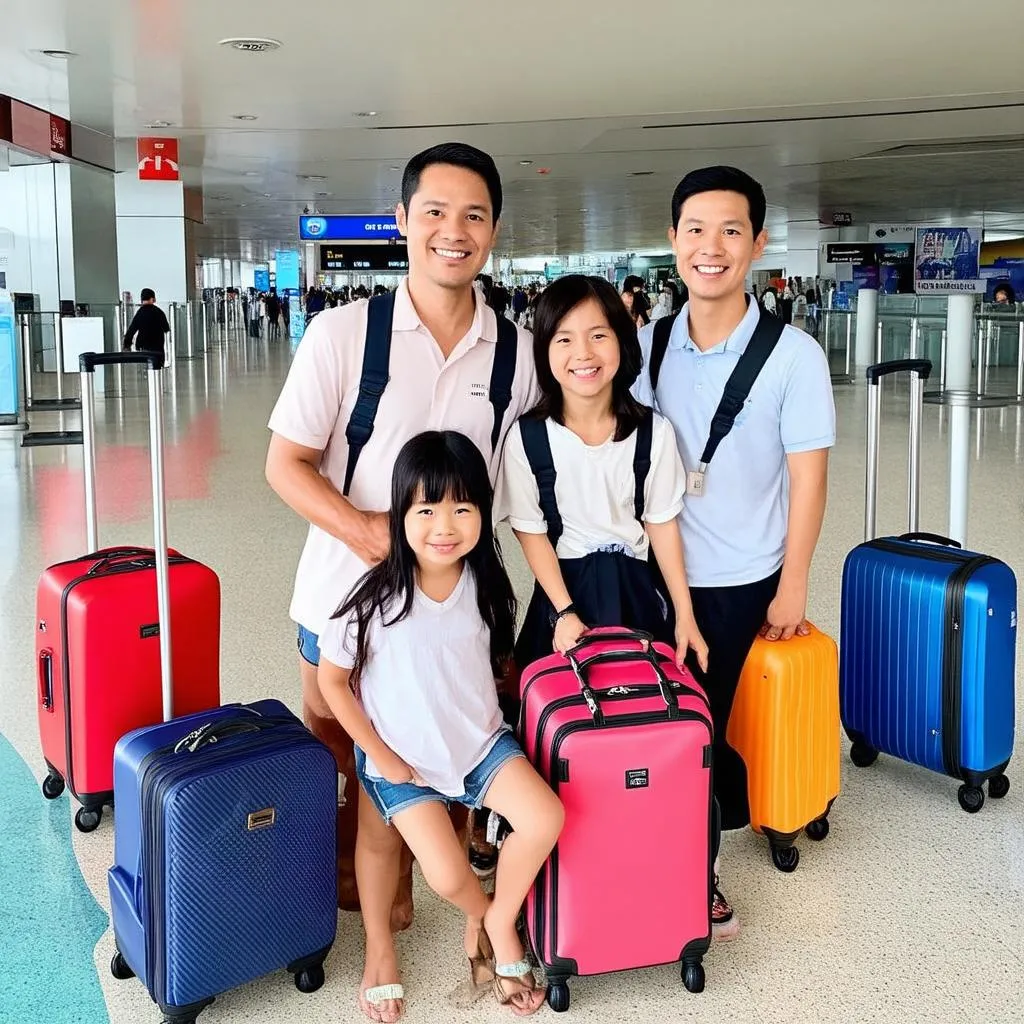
909,911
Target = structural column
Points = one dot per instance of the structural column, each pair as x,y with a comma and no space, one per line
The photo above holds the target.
867,326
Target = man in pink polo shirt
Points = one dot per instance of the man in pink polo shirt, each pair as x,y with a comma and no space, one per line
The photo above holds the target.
446,352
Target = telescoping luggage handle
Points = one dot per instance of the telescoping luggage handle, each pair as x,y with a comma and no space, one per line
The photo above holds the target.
645,655
87,363
919,370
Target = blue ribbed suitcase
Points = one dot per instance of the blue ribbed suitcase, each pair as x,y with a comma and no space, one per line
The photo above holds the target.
224,854
927,641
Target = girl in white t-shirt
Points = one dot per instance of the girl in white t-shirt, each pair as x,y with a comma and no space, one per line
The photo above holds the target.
408,666
591,480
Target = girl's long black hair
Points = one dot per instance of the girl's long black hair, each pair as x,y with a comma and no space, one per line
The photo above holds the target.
433,466
557,301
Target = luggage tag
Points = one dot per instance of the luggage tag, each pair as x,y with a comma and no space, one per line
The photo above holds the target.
695,481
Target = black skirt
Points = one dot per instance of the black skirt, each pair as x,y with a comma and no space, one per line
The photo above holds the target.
608,589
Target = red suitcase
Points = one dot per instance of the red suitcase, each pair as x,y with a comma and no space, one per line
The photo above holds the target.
99,645
624,738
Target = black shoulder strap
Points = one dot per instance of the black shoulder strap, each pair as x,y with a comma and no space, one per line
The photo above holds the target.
373,379
766,336
662,332
534,433
503,372
642,461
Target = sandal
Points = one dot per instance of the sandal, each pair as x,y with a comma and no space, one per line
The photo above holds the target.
519,976
381,994
481,966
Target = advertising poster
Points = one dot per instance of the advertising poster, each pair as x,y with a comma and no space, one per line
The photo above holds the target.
947,261
287,264
261,279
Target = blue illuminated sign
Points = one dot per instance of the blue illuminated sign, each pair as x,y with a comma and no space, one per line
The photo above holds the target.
261,279
347,228
287,275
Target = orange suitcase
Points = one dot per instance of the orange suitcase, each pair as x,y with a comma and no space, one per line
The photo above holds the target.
785,726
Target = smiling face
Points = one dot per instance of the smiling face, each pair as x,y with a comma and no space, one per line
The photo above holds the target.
584,353
714,244
441,533
449,226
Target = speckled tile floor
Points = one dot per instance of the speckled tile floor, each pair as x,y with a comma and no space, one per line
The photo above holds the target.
910,911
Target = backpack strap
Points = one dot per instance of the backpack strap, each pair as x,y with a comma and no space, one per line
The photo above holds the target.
373,379
659,346
737,388
642,461
503,372
537,447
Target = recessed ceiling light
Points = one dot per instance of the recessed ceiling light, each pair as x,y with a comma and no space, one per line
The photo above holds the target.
243,117
525,163
366,113
58,54
313,177
323,195
640,174
251,44
394,167
159,124
251,174
267,195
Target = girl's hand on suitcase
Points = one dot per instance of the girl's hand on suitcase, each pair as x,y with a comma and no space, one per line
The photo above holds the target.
688,637
568,631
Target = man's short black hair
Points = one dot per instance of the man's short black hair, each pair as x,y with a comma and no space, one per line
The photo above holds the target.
455,154
722,179
146,294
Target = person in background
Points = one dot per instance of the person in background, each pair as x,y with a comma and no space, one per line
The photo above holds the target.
149,326
1004,295
273,314
668,301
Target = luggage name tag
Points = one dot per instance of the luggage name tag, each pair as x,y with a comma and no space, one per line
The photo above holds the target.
695,481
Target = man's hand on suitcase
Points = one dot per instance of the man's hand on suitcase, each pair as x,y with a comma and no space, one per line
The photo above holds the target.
786,615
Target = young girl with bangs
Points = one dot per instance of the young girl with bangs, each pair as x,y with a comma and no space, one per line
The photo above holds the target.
408,666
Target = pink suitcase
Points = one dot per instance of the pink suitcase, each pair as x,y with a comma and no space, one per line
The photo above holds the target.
624,738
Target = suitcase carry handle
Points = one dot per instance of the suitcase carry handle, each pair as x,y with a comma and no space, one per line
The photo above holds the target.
919,369
639,636
664,684
932,538
87,363
214,731
46,679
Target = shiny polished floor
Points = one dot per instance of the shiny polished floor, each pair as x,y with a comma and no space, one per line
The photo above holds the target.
910,911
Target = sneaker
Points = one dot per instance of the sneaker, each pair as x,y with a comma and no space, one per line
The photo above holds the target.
725,925
483,859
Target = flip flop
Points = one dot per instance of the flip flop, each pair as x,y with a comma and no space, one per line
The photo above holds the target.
380,994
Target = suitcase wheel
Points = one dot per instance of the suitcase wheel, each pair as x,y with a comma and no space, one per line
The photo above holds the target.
88,821
53,786
693,976
785,859
311,979
119,967
972,798
558,996
818,830
998,787
862,755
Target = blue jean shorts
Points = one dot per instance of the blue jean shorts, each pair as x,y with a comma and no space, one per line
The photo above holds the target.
390,798
309,646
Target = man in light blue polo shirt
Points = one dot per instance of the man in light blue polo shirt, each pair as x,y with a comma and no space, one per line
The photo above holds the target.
751,521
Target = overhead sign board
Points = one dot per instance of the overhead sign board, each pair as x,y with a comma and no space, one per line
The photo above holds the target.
842,219
947,261
158,159
892,232
348,228
364,257
287,269
850,252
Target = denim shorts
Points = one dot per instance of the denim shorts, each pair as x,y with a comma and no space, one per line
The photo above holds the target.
390,798
309,646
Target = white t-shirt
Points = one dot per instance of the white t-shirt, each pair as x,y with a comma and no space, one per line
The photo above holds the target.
594,489
427,687
425,392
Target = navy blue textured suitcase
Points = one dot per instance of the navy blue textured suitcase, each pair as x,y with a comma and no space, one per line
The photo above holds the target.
224,854
928,639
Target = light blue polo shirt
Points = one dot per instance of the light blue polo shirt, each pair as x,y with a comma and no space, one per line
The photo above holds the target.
735,533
